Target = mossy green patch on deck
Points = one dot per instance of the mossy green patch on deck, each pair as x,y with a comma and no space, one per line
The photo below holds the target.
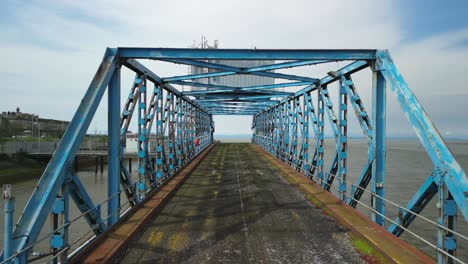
367,251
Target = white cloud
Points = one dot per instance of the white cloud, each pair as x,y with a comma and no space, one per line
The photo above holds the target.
79,31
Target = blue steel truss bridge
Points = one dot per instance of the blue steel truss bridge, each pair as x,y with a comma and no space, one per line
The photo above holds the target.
284,124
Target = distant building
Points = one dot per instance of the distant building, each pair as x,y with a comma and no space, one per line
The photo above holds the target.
16,123
229,80
131,142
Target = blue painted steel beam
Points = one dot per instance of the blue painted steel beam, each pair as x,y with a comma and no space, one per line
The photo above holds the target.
257,97
359,109
378,142
85,204
247,95
342,145
223,88
237,93
141,69
313,119
348,69
235,105
253,102
204,85
246,54
230,70
416,204
201,101
234,110
257,109
42,199
241,105
366,175
440,155
234,113
251,70
9,210
283,65
113,150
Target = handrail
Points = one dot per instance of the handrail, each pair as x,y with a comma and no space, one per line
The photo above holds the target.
314,178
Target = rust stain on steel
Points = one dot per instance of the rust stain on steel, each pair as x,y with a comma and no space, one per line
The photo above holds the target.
395,249
107,247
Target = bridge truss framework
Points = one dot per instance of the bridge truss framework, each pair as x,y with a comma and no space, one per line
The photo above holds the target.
283,123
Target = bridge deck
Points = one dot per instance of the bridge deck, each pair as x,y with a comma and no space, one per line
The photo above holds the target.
241,205
236,207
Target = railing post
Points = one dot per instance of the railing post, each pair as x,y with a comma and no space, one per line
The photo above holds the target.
447,218
59,216
378,166
9,202
113,147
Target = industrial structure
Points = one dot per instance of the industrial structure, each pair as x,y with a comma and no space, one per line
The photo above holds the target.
238,80
184,129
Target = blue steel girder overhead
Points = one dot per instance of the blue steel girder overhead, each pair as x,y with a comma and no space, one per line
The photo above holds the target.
174,126
247,54
222,88
234,70
225,70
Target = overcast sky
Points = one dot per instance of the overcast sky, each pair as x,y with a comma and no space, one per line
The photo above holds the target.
51,49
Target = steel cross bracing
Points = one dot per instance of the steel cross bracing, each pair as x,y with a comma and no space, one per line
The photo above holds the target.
172,127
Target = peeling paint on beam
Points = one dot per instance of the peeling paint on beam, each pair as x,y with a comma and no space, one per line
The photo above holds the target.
247,54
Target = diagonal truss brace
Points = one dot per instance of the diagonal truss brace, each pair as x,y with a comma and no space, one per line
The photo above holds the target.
333,169
229,70
366,125
440,155
417,203
85,204
252,70
43,197
313,119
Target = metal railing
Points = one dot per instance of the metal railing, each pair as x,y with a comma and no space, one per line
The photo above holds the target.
284,157
89,238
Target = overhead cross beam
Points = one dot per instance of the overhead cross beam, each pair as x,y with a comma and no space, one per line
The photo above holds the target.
230,70
201,101
258,70
247,54
222,88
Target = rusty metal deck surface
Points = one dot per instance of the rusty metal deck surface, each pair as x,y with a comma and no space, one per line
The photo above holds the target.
236,208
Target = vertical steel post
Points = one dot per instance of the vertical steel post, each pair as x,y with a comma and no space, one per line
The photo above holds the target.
9,202
378,166
305,136
59,215
65,220
320,134
343,141
447,218
113,147
441,258
142,140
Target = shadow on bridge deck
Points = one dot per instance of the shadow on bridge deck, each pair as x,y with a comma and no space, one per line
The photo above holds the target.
237,208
